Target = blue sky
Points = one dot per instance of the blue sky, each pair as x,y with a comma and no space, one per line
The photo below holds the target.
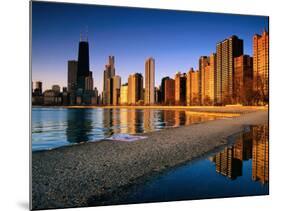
176,39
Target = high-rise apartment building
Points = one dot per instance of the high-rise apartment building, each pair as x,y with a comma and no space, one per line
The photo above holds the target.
203,63
243,79
261,64
180,88
227,50
149,81
169,98
124,94
135,88
207,94
192,88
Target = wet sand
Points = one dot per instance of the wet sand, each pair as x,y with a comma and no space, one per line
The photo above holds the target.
78,175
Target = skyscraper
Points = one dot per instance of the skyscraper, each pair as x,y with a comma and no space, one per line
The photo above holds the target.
162,90
180,89
116,89
192,88
83,64
72,66
108,73
203,63
243,79
169,93
135,88
208,81
149,81
124,94
227,50
109,93
89,82
261,64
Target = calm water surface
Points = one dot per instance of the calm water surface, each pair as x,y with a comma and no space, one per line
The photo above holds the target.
55,127
241,169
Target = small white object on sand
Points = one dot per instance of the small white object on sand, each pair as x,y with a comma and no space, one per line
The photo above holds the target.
125,137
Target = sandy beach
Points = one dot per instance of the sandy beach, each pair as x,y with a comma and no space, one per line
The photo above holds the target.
77,175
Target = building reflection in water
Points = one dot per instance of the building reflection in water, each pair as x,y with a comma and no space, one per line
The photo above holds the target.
169,118
124,121
79,125
95,124
148,121
260,167
252,144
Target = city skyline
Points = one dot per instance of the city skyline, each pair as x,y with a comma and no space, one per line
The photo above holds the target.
50,63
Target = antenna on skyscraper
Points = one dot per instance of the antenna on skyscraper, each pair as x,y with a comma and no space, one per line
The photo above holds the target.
80,36
86,33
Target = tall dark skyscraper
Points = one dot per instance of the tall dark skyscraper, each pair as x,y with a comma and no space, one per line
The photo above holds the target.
80,78
83,64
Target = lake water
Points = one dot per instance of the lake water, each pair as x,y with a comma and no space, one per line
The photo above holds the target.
55,127
240,169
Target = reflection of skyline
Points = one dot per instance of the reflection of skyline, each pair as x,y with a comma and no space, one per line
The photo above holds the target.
252,144
84,125
260,161
227,164
78,126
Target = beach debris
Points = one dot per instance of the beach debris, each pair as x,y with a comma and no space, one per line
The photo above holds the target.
125,137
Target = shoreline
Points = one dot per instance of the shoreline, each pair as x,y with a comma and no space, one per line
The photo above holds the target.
102,168
217,109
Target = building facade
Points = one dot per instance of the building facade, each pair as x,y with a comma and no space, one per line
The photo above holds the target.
169,98
116,89
162,90
135,89
108,73
83,65
89,82
72,66
124,94
180,88
243,79
261,65
149,81
226,51
192,88
207,81
204,61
